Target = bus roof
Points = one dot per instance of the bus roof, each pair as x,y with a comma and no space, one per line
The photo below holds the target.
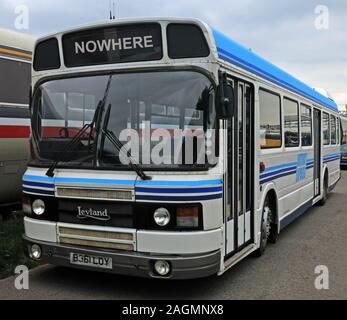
16,40
230,51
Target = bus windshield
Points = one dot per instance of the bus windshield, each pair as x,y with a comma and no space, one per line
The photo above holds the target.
158,104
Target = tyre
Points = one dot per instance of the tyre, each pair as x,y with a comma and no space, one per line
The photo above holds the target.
267,235
325,192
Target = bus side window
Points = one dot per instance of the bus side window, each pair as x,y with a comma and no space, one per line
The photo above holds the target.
333,129
270,120
291,123
306,126
326,129
338,135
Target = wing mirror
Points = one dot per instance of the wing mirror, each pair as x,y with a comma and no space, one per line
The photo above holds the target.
225,98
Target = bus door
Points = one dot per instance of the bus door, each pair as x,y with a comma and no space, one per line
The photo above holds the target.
317,151
239,228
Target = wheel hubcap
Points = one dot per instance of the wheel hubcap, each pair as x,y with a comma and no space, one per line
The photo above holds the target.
267,223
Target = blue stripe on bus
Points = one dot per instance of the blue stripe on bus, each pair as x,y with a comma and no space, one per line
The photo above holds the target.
277,172
179,190
38,178
338,157
236,54
178,199
38,192
286,165
272,178
196,183
78,180
263,74
267,177
331,160
332,155
281,166
38,184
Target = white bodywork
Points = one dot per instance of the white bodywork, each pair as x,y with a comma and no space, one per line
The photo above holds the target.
290,194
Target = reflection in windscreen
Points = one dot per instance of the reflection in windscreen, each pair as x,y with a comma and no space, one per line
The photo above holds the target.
161,100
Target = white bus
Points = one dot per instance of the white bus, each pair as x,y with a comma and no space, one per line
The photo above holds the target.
274,144
15,79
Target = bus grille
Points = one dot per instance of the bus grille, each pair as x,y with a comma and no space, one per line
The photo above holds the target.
120,195
96,238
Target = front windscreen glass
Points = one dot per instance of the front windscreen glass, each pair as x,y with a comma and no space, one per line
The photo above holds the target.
152,115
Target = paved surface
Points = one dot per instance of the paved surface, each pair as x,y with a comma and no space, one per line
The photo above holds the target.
286,271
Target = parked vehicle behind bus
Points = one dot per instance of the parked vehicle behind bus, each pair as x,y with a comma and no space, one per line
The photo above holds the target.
163,149
15,78
344,142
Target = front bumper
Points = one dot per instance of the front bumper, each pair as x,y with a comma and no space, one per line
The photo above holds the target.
132,263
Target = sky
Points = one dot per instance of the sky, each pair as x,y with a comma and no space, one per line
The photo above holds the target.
282,31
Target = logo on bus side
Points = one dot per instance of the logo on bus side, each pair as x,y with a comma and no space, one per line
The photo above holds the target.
101,215
301,167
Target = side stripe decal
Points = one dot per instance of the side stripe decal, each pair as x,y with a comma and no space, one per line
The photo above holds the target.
197,183
275,172
180,199
38,192
179,190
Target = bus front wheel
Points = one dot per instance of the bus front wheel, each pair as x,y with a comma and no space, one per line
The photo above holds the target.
267,222
324,199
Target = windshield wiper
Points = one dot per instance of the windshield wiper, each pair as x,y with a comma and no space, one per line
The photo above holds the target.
94,124
119,146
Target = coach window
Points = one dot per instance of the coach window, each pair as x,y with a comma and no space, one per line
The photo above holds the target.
306,126
338,135
14,82
333,129
270,120
291,123
326,129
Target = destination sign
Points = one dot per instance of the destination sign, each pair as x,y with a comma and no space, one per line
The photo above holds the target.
116,44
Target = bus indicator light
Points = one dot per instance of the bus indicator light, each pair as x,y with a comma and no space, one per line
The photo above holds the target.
188,217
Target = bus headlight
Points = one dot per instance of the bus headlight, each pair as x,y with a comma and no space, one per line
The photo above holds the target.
39,207
162,217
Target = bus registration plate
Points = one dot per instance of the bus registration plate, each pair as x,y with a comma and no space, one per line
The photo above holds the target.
90,261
